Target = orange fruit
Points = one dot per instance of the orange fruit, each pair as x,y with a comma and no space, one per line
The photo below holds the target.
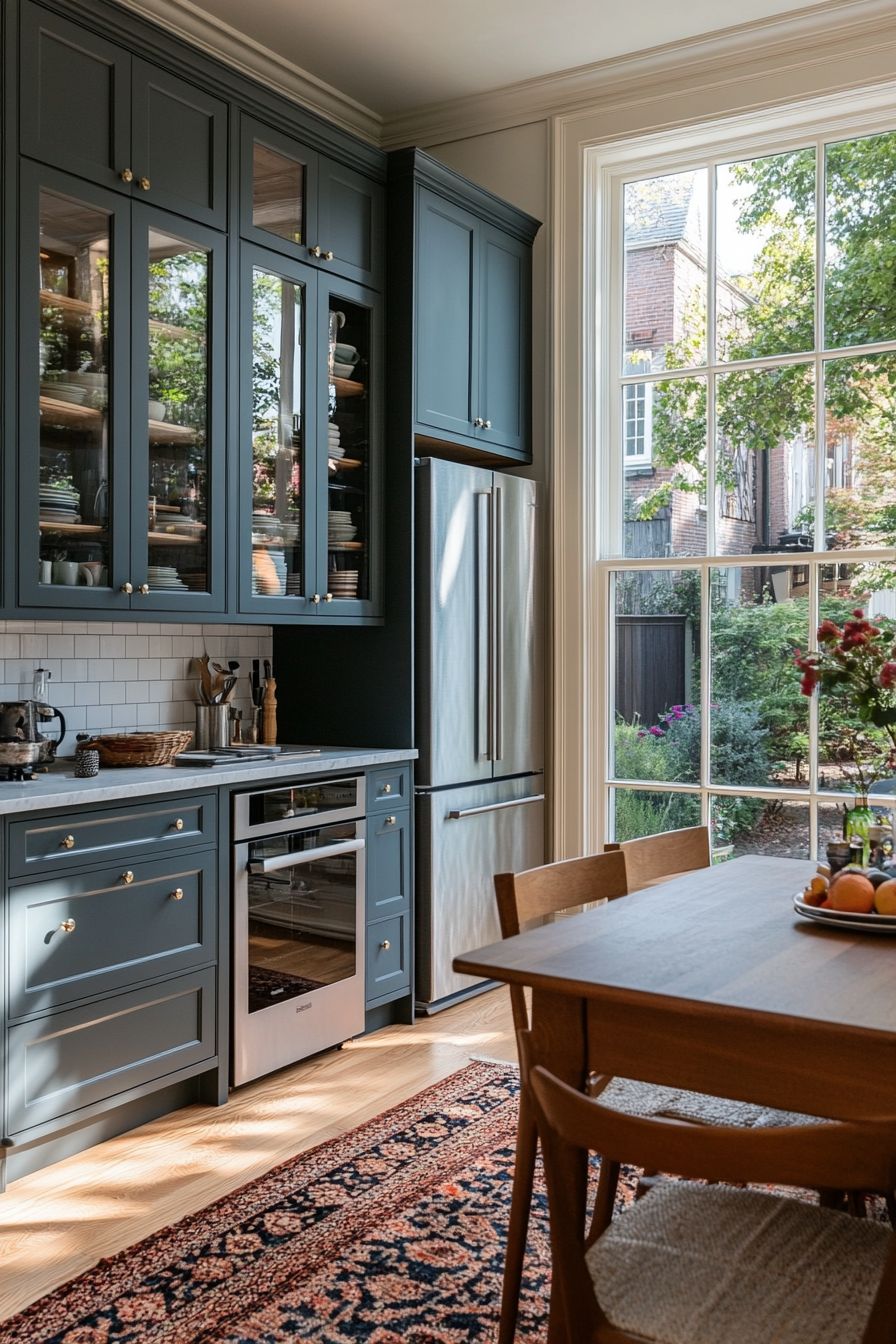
851,891
885,898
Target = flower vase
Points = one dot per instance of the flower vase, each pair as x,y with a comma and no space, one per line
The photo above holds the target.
857,823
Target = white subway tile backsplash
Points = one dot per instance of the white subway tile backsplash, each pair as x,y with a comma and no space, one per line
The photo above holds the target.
116,676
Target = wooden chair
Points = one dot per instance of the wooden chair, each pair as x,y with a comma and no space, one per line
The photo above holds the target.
656,858
543,891
708,1262
523,897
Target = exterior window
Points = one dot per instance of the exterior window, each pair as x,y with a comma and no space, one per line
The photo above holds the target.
638,406
747,435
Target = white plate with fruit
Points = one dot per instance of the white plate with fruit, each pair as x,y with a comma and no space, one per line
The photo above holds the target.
854,898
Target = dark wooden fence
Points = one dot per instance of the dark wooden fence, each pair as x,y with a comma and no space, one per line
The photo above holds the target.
653,658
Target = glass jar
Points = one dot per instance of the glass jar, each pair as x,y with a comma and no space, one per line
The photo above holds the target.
857,826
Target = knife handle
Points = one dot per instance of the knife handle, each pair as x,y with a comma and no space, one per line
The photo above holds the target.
269,713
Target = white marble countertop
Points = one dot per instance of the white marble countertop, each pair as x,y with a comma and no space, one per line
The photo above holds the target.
59,788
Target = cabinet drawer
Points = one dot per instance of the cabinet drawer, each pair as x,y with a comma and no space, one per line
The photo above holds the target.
388,956
388,863
59,842
119,932
389,788
59,1064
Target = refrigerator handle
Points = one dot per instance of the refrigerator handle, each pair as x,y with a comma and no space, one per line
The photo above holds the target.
497,625
483,628
494,807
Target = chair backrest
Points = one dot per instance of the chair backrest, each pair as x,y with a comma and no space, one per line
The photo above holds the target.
847,1156
657,856
554,886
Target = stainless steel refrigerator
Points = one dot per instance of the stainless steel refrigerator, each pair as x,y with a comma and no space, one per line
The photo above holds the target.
479,709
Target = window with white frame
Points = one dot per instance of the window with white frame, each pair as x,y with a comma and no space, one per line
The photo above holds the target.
747,355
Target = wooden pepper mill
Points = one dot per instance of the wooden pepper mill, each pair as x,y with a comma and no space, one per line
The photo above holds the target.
269,713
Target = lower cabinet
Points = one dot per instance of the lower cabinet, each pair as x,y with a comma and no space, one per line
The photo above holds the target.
61,1064
388,955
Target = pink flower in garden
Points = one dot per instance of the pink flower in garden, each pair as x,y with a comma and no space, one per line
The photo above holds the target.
829,633
642,735
657,732
886,677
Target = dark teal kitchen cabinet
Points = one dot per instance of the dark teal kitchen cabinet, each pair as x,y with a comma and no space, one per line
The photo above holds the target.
91,108
310,426
460,265
388,905
308,206
122,433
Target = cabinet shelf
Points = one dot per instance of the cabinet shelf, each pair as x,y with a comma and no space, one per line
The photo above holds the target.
345,388
162,431
346,545
79,529
69,415
345,463
173,539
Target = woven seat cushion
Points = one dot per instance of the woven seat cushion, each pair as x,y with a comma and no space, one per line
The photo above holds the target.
647,1099
695,1264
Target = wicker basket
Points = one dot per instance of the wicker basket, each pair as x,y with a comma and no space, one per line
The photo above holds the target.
140,748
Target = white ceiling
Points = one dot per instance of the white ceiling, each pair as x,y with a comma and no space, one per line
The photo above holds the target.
401,54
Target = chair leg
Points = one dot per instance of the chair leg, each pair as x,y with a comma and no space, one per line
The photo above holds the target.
890,1197
604,1200
518,1225
855,1204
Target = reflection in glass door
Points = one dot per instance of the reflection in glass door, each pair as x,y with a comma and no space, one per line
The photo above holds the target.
178,415
277,434
74,393
278,193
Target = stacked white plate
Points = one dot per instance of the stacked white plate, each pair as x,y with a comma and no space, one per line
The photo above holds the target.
334,447
269,572
294,585
59,504
339,526
165,579
343,582
64,392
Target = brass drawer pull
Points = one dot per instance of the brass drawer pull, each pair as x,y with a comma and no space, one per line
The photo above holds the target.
177,894
67,842
126,175
385,944
144,182
179,824
390,821
127,876
387,788
319,252
67,926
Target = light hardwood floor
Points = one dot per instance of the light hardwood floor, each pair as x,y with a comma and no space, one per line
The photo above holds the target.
62,1220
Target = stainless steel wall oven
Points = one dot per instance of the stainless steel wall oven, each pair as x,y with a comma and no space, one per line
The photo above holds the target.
298,937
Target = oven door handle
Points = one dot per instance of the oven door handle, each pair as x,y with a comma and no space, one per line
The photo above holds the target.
304,856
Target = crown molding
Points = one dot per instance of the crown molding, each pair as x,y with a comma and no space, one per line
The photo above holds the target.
260,63
808,37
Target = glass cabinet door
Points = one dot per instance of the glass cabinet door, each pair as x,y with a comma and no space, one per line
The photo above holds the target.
277,422
74,339
278,190
176,423
348,448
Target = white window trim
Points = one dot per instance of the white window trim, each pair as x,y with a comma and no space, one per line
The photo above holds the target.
588,179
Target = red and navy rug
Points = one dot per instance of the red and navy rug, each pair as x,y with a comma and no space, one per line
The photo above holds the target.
392,1234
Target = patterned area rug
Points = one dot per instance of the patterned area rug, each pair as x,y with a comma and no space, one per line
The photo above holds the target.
392,1233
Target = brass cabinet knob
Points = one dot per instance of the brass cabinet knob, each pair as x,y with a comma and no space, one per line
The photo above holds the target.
328,597
179,824
144,588
67,842
478,422
387,788
486,424
67,925
390,821
144,183
177,894
385,944
318,252
127,587
316,598
126,175
315,251
127,876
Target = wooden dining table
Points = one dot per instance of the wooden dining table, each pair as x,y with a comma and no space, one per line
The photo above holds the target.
712,981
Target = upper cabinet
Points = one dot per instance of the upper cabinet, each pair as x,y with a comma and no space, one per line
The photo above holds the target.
461,279
91,108
317,211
